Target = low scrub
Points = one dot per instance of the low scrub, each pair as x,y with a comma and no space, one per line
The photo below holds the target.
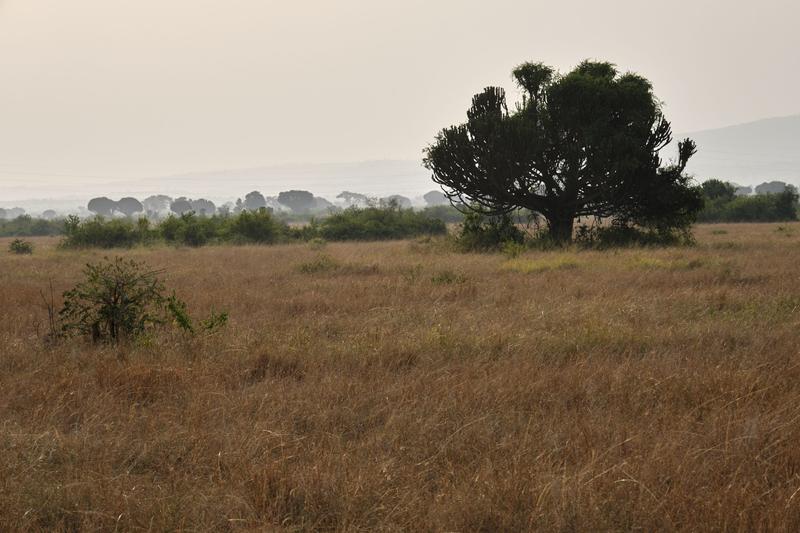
377,223
120,300
781,207
101,233
26,226
481,233
20,247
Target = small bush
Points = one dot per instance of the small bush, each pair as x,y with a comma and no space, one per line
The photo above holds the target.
121,299
20,247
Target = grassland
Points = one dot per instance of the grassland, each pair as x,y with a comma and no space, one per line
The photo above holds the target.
397,386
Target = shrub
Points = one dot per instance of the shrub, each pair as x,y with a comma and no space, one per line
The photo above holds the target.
20,247
780,207
376,223
121,299
255,226
620,235
26,226
100,233
481,232
189,229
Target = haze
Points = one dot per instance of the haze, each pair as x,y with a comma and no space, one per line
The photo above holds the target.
96,91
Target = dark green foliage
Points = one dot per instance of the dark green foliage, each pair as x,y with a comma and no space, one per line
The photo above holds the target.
714,189
117,299
189,229
374,223
583,144
256,227
781,207
481,232
25,226
121,299
100,233
20,247
619,235
723,207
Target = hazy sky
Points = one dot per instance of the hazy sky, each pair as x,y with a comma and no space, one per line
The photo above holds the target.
106,89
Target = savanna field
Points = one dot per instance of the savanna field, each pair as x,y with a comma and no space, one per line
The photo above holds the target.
402,386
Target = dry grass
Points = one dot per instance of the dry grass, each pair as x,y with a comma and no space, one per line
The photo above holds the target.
398,387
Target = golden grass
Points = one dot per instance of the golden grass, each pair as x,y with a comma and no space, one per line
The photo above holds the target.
403,387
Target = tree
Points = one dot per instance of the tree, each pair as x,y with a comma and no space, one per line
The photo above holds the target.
353,198
297,201
49,214
129,206
714,189
583,144
156,204
254,201
433,198
180,206
203,207
398,200
772,187
102,206
3,214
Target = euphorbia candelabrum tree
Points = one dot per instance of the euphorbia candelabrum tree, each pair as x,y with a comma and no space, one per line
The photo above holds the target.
583,144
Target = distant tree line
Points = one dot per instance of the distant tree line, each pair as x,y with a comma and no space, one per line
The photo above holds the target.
250,226
296,202
725,202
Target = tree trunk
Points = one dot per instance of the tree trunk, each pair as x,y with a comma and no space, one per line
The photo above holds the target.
561,228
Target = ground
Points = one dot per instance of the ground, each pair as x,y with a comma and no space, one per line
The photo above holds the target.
398,386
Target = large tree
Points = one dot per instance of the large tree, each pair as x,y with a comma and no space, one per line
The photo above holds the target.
254,201
102,206
583,144
297,201
129,206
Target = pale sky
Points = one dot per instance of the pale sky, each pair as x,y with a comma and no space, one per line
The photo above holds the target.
113,89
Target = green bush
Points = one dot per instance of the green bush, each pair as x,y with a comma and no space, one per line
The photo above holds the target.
121,299
255,226
619,235
781,207
20,247
26,226
190,230
379,223
480,232
100,233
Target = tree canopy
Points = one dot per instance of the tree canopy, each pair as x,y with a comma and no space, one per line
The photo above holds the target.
129,206
582,144
102,206
297,201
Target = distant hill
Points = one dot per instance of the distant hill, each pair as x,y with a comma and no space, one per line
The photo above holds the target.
750,153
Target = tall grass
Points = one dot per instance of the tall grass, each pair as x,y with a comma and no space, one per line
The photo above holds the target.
643,389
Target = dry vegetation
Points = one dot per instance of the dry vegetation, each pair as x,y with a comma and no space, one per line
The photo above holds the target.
396,386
